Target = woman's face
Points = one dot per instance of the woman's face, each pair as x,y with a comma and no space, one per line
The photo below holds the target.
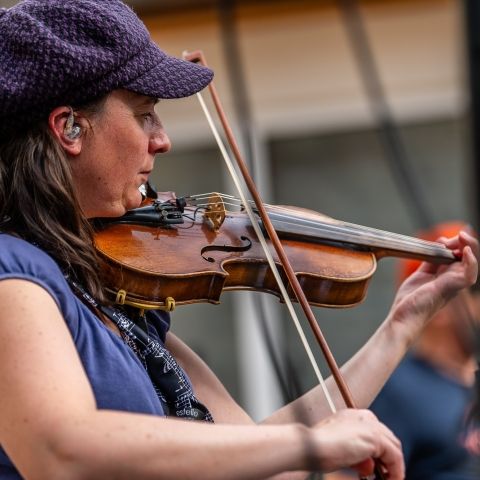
117,154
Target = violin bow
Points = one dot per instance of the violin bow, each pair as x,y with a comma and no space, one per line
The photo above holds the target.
198,57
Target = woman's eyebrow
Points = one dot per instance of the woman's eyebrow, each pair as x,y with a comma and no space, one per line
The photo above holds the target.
147,102
152,100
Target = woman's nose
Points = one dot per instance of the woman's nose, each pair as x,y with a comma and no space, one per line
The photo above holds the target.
159,143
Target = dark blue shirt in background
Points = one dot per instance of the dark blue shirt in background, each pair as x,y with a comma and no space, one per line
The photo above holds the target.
427,412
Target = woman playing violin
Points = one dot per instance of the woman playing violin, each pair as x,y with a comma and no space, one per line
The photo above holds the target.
84,392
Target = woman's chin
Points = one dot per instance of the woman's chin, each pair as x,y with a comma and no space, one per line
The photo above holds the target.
116,209
134,201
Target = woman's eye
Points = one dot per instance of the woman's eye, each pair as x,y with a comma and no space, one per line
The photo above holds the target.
151,118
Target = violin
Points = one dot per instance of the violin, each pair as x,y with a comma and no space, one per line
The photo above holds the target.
191,249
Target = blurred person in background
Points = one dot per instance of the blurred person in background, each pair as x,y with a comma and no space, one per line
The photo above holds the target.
429,401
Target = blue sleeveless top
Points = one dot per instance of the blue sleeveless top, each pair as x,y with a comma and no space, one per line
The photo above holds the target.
117,377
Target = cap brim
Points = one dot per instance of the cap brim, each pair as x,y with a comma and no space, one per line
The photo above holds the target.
170,77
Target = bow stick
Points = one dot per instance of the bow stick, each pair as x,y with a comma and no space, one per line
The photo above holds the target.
198,57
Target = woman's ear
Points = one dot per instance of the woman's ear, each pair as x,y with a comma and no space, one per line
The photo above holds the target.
66,130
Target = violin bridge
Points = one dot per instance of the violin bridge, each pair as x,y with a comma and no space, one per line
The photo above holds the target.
215,212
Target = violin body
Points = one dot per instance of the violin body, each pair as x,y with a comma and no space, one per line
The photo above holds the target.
193,262
192,252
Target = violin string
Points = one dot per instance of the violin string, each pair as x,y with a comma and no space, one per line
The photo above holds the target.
361,229
353,228
213,194
204,205
346,227
364,234
268,254
357,229
330,230
364,238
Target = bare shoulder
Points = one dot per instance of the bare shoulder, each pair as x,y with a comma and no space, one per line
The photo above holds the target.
42,382
38,359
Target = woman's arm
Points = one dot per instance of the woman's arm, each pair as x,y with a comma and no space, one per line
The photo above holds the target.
419,298
50,426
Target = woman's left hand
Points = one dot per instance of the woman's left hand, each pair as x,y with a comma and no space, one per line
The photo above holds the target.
428,289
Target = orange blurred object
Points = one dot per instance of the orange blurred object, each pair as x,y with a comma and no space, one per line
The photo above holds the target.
446,229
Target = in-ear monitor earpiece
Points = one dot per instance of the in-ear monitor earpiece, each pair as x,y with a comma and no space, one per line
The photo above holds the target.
72,130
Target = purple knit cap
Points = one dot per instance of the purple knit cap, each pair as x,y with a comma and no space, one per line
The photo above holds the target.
70,52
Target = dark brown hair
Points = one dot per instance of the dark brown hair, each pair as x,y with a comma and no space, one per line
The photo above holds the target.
38,202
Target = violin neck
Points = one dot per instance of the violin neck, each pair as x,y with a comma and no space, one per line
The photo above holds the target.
381,243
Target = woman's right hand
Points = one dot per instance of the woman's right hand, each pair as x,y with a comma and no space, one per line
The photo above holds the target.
352,438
